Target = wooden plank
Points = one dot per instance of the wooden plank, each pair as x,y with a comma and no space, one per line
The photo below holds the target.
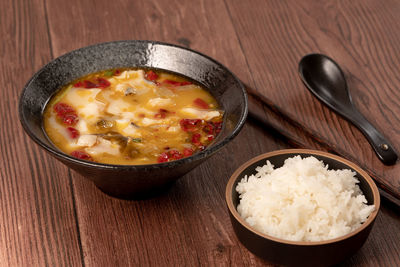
360,37
381,247
175,228
189,224
37,220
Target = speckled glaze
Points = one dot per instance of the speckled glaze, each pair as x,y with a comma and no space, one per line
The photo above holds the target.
298,253
133,181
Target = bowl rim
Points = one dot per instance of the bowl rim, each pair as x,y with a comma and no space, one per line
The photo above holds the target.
197,156
235,213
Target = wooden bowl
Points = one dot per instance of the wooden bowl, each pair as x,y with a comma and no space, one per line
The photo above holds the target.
300,253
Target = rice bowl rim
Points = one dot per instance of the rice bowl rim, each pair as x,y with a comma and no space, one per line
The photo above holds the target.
235,176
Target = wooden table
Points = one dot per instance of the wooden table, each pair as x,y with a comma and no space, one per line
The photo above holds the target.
51,216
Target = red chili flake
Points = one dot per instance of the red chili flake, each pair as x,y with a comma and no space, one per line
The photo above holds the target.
185,83
66,113
81,155
70,119
169,155
190,125
167,147
196,139
175,154
213,128
61,109
210,137
162,113
218,127
73,133
209,128
151,76
187,152
99,82
175,83
79,84
163,157
102,83
88,84
201,147
117,72
201,103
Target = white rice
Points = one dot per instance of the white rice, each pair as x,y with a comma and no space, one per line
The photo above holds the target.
302,200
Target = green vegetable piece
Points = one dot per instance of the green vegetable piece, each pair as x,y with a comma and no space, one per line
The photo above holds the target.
109,73
104,124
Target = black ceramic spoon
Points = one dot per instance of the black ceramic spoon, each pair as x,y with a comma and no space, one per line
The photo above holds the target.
324,78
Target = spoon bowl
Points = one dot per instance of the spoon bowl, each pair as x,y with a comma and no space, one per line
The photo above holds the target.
325,79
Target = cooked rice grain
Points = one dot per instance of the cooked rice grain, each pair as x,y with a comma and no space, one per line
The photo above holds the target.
302,200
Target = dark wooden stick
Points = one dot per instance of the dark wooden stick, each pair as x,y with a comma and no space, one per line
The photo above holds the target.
256,99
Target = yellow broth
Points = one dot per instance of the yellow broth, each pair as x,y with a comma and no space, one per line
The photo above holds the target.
131,117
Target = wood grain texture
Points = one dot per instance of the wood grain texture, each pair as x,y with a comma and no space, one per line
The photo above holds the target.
37,214
167,22
361,36
51,216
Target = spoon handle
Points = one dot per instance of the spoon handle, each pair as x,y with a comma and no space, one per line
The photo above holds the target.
383,149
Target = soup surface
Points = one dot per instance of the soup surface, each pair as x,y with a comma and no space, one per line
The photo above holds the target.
131,117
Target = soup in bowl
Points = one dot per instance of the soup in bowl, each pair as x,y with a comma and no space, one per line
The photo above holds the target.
211,112
132,117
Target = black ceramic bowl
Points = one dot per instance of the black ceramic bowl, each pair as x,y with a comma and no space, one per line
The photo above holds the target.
297,253
133,181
